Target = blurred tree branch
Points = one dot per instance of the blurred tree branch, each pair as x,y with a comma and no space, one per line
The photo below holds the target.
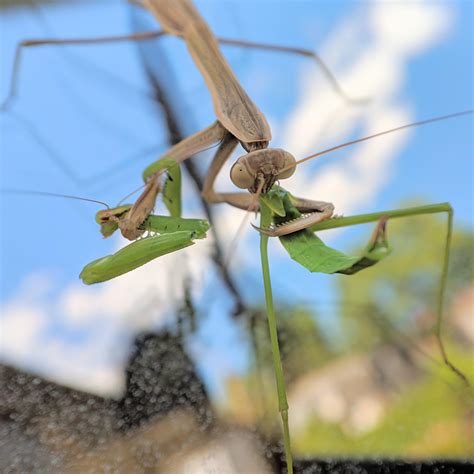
163,85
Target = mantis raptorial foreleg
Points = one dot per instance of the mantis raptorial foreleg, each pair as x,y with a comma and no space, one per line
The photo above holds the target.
313,213
129,218
239,200
130,225
318,210
141,209
188,147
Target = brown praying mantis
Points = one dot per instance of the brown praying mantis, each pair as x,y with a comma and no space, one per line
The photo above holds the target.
238,121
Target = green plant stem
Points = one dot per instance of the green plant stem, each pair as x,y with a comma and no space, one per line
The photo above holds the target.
272,327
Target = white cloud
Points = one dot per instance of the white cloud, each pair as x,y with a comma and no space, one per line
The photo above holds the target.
22,325
410,27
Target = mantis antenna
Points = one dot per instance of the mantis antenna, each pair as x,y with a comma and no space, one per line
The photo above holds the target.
130,194
48,194
379,134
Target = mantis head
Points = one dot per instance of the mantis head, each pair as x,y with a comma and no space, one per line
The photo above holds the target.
267,165
109,219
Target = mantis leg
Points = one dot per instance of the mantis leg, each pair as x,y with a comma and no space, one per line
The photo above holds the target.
331,78
240,200
143,207
313,213
146,35
151,35
191,145
130,226
414,211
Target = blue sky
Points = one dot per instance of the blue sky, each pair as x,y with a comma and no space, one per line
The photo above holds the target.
83,111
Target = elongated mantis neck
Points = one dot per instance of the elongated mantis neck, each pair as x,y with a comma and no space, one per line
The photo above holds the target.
265,221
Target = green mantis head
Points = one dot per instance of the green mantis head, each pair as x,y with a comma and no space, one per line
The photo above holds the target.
108,219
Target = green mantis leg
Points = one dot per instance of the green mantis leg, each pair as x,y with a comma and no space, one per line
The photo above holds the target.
413,211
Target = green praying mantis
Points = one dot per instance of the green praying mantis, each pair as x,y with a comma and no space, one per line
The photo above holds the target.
293,220
166,234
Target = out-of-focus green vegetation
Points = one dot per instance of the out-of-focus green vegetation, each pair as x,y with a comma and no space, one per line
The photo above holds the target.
425,411
430,419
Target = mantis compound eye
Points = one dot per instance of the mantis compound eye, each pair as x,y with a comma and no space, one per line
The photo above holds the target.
289,166
240,175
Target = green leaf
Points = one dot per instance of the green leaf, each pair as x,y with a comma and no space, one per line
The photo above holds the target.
274,201
377,249
310,251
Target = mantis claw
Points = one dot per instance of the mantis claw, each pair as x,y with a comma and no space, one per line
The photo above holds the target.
269,231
